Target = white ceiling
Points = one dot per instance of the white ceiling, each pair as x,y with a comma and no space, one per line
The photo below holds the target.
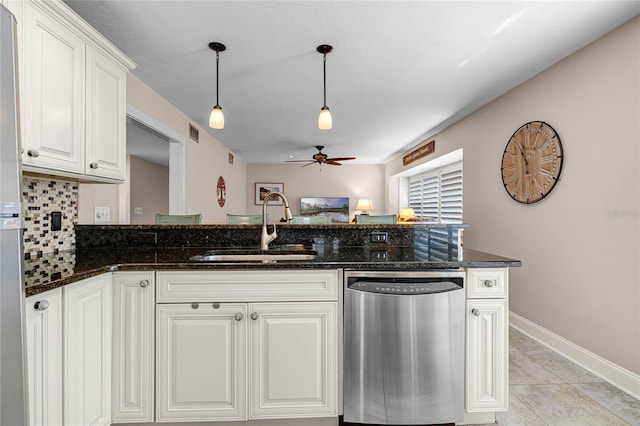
399,72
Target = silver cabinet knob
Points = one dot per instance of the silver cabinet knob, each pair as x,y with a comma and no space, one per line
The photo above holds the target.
33,153
41,305
489,283
238,316
144,283
254,316
195,305
475,312
93,165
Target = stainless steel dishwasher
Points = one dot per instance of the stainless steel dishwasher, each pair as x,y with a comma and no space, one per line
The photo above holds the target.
404,347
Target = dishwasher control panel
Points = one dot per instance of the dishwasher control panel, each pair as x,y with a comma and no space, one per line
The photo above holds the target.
405,286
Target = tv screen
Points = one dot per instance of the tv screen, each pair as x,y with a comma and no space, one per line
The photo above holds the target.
336,207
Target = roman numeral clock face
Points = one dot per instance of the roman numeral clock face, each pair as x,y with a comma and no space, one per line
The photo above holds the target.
532,162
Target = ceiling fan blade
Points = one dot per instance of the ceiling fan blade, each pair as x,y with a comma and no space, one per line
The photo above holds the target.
340,159
333,163
310,163
300,161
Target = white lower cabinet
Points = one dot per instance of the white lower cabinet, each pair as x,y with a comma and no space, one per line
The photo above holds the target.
132,397
487,346
293,360
87,319
44,357
201,362
251,357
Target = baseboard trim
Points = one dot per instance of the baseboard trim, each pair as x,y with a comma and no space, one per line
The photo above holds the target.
619,377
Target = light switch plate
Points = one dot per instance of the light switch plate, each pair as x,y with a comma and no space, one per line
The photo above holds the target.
101,214
137,210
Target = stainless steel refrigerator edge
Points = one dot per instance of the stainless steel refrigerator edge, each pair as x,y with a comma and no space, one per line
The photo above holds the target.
12,371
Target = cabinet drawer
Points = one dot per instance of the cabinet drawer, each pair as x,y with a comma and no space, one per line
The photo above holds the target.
487,283
239,286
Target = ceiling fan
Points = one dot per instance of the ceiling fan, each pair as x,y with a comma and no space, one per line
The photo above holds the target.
321,158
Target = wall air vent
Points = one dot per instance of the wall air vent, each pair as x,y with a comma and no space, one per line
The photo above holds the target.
194,133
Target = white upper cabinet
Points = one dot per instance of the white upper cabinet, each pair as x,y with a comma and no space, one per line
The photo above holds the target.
106,117
73,94
53,94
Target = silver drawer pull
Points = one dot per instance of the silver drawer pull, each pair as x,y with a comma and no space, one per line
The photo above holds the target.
41,305
254,316
489,283
238,316
475,312
33,153
93,165
144,283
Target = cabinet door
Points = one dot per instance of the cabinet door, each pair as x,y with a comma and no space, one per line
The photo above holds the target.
87,351
105,117
201,362
54,94
44,357
133,325
293,367
487,355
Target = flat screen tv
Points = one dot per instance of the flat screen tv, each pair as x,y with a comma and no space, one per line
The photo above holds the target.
336,207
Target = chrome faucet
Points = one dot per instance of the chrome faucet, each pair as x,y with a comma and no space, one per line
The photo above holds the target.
266,238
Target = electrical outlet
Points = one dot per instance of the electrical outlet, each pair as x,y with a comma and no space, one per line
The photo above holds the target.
137,210
101,214
378,237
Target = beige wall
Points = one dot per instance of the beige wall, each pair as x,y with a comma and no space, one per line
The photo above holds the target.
149,190
580,245
91,195
351,181
205,161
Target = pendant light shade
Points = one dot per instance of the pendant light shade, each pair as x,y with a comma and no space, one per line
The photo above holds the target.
216,119
324,119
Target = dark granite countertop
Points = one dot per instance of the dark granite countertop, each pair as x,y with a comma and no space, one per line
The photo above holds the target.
53,270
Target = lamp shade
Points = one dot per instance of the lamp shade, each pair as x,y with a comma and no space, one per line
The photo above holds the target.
364,205
407,214
216,119
324,119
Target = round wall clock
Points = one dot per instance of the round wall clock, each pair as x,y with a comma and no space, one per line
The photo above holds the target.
532,162
221,191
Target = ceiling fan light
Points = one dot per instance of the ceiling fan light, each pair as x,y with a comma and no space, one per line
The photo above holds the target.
324,119
216,119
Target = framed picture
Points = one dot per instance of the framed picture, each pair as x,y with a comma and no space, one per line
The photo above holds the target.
263,188
336,207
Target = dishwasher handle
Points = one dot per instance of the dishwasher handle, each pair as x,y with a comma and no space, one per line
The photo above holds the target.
406,287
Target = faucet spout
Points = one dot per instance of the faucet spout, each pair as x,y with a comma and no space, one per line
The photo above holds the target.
265,237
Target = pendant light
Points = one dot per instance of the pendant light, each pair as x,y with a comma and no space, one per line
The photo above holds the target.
324,119
216,119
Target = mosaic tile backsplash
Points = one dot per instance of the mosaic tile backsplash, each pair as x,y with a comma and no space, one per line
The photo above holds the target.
41,197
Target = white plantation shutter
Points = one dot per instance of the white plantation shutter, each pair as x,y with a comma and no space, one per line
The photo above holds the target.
451,196
437,194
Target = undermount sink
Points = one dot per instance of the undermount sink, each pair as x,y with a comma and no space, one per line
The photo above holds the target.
286,252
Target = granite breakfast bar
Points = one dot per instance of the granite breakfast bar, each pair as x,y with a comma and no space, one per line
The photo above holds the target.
132,302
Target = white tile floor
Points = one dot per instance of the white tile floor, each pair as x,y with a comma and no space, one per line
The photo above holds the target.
548,390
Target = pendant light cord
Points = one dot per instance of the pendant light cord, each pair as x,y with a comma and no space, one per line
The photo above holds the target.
324,64
217,75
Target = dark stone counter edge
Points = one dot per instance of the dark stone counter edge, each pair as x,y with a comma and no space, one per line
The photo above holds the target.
498,262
